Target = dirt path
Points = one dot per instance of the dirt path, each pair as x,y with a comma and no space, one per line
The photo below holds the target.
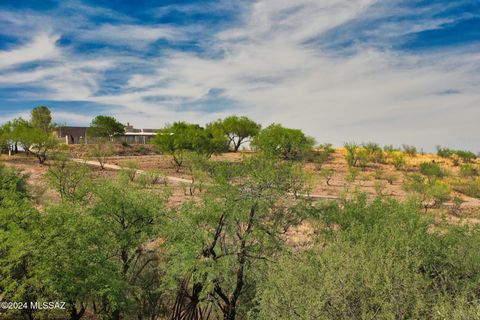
116,167
181,180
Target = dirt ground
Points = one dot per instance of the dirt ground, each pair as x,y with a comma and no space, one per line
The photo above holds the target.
370,180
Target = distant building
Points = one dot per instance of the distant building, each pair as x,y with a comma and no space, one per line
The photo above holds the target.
78,135
72,135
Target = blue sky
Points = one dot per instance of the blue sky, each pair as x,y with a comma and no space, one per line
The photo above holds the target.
342,70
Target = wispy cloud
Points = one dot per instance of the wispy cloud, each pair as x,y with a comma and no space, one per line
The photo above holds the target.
331,67
42,47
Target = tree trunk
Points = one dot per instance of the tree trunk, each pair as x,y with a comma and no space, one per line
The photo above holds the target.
76,315
230,312
116,315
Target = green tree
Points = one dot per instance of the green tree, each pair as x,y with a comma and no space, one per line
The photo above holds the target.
100,151
33,140
70,179
19,277
284,142
130,218
74,263
237,129
239,225
105,126
41,118
181,138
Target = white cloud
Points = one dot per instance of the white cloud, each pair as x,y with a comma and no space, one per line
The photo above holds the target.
42,47
272,73
130,35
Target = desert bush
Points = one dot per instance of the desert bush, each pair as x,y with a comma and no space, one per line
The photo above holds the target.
289,144
321,155
374,152
377,261
430,189
397,158
327,174
351,156
390,177
100,151
152,177
129,170
432,169
456,155
469,170
409,150
70,179
390,148
469,187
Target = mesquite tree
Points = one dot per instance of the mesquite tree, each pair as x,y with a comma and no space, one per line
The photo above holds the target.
238,225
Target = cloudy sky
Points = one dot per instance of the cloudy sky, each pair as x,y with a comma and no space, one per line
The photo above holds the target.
389,71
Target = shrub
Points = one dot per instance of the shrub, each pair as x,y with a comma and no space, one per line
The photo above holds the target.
373,152
397,158
432,169
355,155
376,261
456,155
430,190
327,174
469,187
409,150
321,155
468,170
289,144
129,170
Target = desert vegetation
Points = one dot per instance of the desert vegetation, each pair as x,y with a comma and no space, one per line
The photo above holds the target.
193,227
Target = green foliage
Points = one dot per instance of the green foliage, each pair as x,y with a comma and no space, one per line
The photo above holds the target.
432,169
237,130
377,261
70,179
129,170
100,151
181,138
469,170
105,126
289,144
327,174
409,150
469,187
455,155
321,155
238,226
19,279
430,189
33,139
373,152
41,118
397,158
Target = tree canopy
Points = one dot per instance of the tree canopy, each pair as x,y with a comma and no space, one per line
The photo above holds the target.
237,129
182,137
284,142
105,126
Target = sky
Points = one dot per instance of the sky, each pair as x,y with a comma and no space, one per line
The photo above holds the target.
389,71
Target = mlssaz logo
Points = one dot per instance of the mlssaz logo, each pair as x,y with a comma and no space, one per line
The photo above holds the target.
47,305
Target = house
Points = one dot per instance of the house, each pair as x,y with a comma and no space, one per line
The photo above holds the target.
72,135
78,135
